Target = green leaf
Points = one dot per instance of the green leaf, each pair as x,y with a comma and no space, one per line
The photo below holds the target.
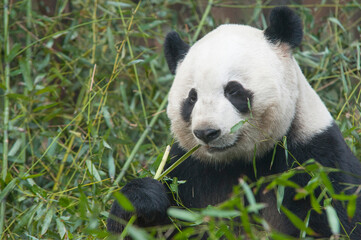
136,61
351,206
337,22
280,196
281,236
26,74
14,149
296,221
47,106
119,4
138,233
326,181
215,212
33,176
110,38
93,171
151,25
124,201
45,90
107,118
83,204
315,204
105,144
9,187
249,194
256,207
24,219
332,218
47,220
111,165
184,215
238,126
14,52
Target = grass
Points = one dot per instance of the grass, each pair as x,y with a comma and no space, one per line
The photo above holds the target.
83,94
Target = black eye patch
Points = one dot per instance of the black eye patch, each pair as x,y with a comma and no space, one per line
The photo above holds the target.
238,96
188,104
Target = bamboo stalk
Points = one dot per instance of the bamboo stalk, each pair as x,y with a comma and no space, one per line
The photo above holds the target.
28,67
179,161
201,23
132,56
162,163
136,148
6,112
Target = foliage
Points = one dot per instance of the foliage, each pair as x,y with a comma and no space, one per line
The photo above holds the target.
83,93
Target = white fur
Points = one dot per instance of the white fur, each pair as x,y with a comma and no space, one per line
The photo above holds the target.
280,94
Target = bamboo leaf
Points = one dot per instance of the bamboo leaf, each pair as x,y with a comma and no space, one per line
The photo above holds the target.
184,215
332,219
47,220
13,52
124,202
337,22
238,125
249,194
215,212
14,149
351,207
92,170
326,181
61,228
9,187
119,4
111,165
280,196
296,221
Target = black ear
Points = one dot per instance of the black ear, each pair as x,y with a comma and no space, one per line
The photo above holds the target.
285,27
174,50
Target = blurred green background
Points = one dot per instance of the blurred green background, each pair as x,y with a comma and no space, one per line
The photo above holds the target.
83,93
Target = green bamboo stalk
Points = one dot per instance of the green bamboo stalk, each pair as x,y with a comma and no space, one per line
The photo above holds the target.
28,67
203,19
6,112
136,147
162,163
179,161
132,56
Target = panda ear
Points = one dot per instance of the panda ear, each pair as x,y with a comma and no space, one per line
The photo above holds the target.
174,50
285,27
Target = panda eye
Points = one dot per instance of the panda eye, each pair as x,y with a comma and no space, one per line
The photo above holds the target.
192,96
232,89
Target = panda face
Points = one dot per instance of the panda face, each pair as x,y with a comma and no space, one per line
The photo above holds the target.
233,74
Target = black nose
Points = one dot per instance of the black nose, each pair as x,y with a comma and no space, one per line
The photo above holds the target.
207,135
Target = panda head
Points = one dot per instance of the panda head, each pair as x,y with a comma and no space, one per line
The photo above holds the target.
235,73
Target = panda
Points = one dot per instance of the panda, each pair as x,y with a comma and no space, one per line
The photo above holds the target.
234,74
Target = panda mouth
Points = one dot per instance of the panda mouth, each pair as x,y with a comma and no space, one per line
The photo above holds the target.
212,149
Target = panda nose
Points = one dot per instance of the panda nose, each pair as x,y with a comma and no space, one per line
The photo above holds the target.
207,135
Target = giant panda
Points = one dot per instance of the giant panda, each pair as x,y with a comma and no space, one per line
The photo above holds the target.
239,73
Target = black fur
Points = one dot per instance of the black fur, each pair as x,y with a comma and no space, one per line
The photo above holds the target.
174,50
238,96
188,105
285,27
150,201
208,184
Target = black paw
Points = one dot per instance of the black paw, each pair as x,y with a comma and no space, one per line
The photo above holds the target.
150,201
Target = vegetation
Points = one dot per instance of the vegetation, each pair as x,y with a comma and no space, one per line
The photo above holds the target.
83,92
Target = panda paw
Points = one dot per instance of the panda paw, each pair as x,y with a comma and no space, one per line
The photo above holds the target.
149,200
